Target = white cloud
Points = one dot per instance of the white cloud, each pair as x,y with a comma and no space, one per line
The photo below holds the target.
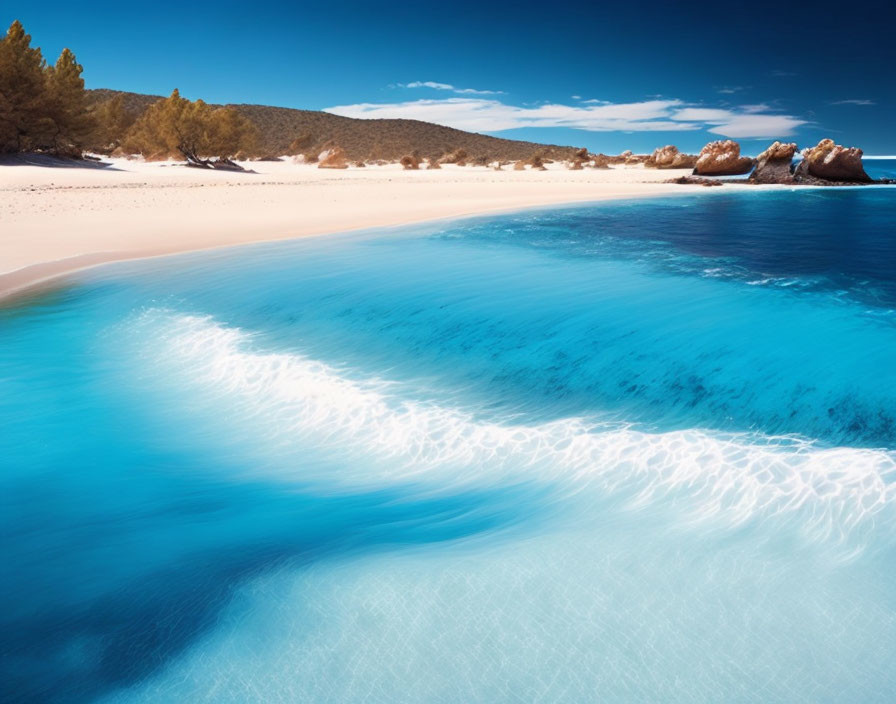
702,114
482,115
853,101
667,115
447,86
728,90
756,125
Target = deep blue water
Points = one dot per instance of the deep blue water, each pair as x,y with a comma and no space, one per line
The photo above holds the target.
636,451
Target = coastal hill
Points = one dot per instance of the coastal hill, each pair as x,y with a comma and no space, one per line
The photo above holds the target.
361,139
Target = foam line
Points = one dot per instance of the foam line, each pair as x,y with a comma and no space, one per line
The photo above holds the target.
829,493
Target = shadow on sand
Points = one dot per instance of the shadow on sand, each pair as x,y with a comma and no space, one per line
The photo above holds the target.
53,162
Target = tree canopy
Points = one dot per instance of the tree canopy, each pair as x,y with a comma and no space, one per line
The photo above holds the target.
41,107
176,126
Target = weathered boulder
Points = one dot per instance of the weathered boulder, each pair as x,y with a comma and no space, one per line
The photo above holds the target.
773,165
669,157
684,161
833,162
722,159
601,161
333,158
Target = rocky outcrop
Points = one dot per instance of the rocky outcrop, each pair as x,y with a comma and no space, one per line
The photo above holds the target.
669,157
774,164
832,162
333,158
433,163
695,181
601,161
722,159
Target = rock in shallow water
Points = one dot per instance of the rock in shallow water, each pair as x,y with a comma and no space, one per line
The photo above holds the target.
833,162
773,165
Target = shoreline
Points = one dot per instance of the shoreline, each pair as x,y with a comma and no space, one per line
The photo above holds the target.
63,221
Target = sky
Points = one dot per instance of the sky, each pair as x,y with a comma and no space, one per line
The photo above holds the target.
607,76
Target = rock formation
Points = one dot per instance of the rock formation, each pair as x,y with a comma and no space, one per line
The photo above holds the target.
669,157
722,159
831,162
433,163
695,181
519,166
773,165
601,161
333,158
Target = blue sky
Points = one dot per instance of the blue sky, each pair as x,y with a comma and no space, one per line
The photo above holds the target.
608,76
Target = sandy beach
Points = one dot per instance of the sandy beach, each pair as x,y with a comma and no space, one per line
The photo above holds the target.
58,220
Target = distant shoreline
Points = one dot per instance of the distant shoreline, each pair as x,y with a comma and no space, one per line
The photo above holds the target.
58,221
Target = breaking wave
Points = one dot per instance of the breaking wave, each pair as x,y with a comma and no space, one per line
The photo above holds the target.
825,493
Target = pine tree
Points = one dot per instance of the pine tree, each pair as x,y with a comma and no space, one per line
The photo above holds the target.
70,122
23,92
176,127
111,122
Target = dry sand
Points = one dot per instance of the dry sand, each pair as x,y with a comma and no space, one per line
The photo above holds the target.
57,220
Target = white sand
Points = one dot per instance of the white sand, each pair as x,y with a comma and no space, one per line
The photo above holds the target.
57,220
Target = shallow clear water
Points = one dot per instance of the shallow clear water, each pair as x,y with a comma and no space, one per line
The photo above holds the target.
639,451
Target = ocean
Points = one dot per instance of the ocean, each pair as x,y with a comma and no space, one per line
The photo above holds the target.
639,450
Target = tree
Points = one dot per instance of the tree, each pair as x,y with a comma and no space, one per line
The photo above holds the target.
69,123
23,93
177,126
111,122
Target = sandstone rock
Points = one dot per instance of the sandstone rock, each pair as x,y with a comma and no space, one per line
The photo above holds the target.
773,165
662,157
684,161
669,157
833,162
433,163
519,166
722,159
333,158
601,161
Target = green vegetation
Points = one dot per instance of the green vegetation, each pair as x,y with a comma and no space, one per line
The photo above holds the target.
193,129
41,107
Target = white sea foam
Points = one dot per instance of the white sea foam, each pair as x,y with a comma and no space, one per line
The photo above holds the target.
290,400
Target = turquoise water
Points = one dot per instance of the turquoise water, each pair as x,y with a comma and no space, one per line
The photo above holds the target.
636,451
